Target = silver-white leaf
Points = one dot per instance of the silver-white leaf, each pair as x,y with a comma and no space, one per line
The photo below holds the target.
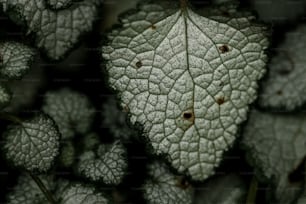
188,79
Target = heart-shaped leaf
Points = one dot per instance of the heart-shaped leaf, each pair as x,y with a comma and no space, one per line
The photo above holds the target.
187,79
32,144
108,164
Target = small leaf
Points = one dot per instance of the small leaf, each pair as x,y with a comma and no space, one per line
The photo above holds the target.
16,59
108,164
27,191
165,187
72,111
188,79
56,32
286,87
32,144
275,144
79,194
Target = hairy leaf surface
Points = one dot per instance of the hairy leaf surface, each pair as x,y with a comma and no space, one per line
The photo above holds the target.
165,187
56,32
32,144
187,79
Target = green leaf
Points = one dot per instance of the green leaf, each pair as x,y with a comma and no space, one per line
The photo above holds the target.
32,144
188,79
107,164
165,187
27,192
72,111
80,194
275,144
286,87
16,59
56,32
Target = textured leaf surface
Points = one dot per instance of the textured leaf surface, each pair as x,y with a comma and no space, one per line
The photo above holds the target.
165,187
187,79
59,4
108,164
27,192
79,194
286,87
276,146
56,31
32,144
228,189
72,111
5,96
16,59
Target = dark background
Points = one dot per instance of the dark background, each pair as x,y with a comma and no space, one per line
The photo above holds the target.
81,71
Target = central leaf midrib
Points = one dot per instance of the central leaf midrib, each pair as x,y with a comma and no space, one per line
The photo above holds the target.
185,16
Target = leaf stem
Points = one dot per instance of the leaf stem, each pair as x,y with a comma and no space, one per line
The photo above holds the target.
251,198
43,188
10,117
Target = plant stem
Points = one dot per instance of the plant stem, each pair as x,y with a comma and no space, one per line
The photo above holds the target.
43,188
251,199
10,117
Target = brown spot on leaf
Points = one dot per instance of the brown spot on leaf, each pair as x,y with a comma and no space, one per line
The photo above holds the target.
220,100
138,64
279,92
153,27
224,48
182,182
125,109
187,115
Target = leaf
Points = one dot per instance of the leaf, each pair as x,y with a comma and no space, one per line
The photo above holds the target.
72,111
165,187
80,194
108,164
90,141
116,121
56,32
27,191
32,144
5,96
286,87
16,59
187,79
225,189
275,144
59,4
67,154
